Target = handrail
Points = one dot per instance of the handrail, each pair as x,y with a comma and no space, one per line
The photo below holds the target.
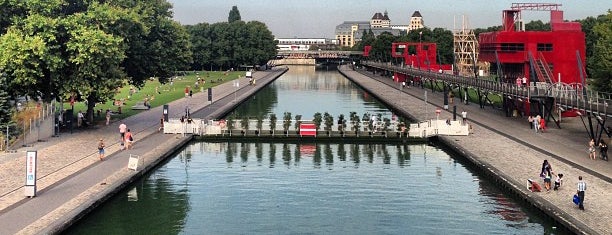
549,73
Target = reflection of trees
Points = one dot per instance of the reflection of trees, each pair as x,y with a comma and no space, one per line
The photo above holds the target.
230,152
272,154
298,154
341,152
263,102
259,153
120,216
385,155
329,155
317,156
244,153
354,150
286,154
369,150
403,155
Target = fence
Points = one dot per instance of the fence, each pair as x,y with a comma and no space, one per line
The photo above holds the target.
33,129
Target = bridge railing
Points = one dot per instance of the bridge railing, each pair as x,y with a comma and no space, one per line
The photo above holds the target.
568,95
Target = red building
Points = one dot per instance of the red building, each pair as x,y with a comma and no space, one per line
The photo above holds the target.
424,55
549,54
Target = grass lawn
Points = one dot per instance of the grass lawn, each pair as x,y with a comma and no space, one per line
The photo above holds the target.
159,94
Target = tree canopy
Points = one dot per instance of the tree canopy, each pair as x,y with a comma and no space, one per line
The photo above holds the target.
230,45
600,63
87,49
234,15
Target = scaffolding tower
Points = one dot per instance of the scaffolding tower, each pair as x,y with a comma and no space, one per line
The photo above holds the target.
466,49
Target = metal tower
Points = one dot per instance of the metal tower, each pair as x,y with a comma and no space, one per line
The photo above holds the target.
466,49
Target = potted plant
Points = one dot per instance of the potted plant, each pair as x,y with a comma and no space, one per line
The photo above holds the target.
341,124
259,125
329,122
286,122
386,124
244,123
317,119
367,119
356,123
298,122
272,123
230,124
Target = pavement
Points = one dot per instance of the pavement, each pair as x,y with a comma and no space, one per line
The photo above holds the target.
71,179
508,150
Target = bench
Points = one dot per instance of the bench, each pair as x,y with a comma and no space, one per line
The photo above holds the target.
140,106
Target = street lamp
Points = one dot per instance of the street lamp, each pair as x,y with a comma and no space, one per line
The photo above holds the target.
419,50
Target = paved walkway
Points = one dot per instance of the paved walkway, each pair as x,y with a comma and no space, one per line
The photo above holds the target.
69,173
508,148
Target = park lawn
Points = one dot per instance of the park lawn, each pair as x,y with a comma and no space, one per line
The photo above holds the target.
165,94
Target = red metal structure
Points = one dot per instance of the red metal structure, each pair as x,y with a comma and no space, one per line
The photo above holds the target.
549,54
424,57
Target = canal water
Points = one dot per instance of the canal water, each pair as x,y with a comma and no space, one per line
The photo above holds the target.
276,188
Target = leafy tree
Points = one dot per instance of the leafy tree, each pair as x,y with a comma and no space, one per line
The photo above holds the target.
272,123
286,121
600,64
234,15
5,107
317,119
537,25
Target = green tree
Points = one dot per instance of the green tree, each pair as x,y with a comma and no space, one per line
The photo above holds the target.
234,15
600,64
5,107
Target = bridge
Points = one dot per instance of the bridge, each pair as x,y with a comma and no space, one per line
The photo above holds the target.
542,98
317,54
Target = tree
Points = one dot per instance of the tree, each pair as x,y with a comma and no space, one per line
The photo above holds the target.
234,15
600,64
88,49
5,107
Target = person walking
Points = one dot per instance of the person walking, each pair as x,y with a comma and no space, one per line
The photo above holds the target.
530,120
558,181
582,186
464,116
161,124
108,116
603,150
592,154
80,117
101,149
128,139
122,129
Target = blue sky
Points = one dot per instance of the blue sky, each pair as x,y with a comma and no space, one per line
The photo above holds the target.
318,18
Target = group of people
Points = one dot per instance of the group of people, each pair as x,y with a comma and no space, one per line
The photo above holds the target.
547,174
538,123
603,150
127,139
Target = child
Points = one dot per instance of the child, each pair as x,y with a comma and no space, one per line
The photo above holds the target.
101,150
558,181
547,179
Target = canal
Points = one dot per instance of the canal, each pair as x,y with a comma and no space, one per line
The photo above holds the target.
278,188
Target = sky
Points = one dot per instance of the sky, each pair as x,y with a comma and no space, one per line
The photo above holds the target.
319,18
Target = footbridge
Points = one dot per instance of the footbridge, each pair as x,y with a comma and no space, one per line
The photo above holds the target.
317,54
551,101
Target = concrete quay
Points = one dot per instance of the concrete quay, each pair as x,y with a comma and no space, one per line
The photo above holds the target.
510,152
71,180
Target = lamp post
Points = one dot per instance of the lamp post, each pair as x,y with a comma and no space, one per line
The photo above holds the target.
419,50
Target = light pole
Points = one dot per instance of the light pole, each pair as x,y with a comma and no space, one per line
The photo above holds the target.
419,50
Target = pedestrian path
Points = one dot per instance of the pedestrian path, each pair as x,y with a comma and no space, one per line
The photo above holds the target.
509,150
69,163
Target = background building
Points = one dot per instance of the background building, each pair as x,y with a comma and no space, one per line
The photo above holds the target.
350,33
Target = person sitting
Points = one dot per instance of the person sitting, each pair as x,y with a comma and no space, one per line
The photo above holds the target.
533,186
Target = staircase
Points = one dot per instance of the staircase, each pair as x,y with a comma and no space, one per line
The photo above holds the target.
542,69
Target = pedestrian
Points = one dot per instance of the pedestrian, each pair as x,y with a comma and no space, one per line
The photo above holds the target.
128,139
80,118
536,123
464,116
186,91
101,149
524,81
592,154
122,129
603,150
558,181
547,179
582,186
533,186
403,84
542,125
530,120
108,116
161,124
545,166
451,97
518,82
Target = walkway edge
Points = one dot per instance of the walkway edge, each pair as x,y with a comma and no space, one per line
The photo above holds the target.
78,207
